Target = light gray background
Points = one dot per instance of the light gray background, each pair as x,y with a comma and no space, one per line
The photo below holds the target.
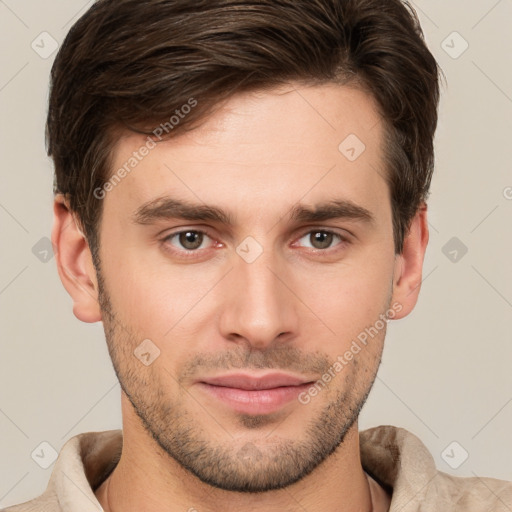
446,372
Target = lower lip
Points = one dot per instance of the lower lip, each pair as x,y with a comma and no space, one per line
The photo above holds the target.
261,401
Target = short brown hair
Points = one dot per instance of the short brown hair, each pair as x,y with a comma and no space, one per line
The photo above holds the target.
129,64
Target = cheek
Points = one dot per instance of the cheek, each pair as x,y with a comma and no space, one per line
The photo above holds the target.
348,300
152,296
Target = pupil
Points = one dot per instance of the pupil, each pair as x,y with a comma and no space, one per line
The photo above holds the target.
191,239
321,240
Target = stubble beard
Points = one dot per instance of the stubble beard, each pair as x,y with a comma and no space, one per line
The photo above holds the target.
254,465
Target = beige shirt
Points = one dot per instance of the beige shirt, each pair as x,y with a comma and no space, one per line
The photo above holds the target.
395,458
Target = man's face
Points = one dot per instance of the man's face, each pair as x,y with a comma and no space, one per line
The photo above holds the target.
255,302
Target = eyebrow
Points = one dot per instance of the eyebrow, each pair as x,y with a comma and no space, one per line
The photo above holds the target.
164,208
335,209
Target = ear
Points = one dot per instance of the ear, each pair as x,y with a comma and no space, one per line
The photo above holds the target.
409,264
74,262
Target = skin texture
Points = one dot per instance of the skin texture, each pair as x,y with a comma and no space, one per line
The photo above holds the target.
296,308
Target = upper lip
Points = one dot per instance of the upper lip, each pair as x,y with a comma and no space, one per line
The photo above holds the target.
254,382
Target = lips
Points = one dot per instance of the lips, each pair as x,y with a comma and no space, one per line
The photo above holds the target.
252,383
254,394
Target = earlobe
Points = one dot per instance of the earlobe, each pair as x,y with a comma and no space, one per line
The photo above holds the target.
74,262
409,264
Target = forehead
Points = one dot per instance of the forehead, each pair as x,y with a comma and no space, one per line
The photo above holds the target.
285,119
282,145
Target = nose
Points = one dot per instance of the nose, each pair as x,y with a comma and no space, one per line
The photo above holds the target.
259,309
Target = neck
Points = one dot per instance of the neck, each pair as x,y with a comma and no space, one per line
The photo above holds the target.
146,478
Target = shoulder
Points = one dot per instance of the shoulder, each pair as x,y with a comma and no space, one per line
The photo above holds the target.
82,463
44,503
402,464
470,493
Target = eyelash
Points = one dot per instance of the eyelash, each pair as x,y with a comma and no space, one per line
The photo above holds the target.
191,253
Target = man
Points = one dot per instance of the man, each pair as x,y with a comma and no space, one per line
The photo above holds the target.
240,199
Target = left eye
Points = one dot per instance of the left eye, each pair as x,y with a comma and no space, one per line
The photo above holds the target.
190,240
320,239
